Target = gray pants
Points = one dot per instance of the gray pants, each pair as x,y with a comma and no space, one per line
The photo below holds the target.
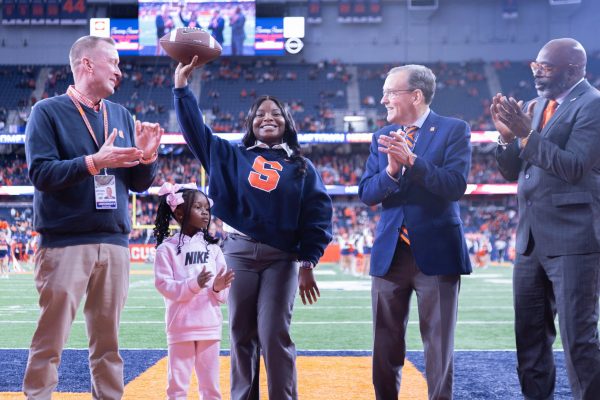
437,299
543,287
261,299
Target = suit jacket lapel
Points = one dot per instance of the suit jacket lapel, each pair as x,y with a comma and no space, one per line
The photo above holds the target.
541,104
570,99
538,112
426,134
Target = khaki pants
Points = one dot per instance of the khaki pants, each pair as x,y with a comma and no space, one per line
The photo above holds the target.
62,277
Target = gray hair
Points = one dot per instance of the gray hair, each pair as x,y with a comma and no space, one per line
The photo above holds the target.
419,77
82,45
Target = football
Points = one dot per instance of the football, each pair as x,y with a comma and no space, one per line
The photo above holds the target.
182,44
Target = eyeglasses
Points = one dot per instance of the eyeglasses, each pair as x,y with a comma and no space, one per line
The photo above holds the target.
544,68
395,92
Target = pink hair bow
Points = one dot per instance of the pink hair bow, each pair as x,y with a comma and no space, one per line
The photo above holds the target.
173,198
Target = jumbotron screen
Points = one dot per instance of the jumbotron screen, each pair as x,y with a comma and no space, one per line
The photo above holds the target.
232,23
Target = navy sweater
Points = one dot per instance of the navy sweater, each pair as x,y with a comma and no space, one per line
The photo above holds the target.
295,216
56,143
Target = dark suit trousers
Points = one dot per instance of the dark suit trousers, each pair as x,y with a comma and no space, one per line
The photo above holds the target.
437,299
567,285
261,299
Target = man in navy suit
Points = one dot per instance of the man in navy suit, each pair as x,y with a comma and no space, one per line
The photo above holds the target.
417,171
216,26
552,147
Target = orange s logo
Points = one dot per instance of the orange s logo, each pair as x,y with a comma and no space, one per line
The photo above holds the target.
264,178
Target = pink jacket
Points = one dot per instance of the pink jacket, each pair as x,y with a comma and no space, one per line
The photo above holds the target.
192,313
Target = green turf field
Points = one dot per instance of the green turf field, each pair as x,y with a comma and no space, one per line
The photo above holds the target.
341,320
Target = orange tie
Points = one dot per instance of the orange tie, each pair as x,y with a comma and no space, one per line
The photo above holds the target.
548,112
411,136
411,139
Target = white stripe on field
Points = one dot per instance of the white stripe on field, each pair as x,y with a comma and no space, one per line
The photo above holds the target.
8,310
325,295
78,322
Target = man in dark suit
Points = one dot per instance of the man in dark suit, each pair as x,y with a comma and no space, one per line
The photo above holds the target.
552,146
238,35
417,171
216,26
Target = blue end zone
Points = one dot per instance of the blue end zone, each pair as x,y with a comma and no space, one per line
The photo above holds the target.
488,375
478,375
74,373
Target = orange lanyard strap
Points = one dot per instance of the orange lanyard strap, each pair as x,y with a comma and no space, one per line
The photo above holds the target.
72,96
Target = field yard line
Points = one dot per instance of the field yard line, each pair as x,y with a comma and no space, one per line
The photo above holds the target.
322,297
7,310
326,286
366,297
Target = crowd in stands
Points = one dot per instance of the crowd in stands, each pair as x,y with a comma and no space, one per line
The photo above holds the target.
3,117
313,111
145,91
489,226
484,169
312,91
461,91
490,229
337,164
178,168
16,223
59,78
13,170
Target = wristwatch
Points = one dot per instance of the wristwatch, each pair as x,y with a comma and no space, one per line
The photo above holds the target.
305,264
524,140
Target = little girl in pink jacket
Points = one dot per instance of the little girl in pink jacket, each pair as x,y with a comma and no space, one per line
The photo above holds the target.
191,274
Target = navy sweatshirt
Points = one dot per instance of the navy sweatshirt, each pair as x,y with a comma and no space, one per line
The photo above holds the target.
259,192
56,143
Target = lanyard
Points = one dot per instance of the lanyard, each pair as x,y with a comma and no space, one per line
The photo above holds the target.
71,94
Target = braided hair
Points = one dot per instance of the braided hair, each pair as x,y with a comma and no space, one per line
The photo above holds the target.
290,134
164,215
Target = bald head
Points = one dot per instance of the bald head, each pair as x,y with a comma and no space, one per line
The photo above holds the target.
560,64
565,52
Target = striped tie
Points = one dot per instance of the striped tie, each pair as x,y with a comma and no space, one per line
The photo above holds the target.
411,136
411,139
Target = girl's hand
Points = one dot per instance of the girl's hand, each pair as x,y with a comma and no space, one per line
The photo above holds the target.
203,277
183,72
308,286
223,280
